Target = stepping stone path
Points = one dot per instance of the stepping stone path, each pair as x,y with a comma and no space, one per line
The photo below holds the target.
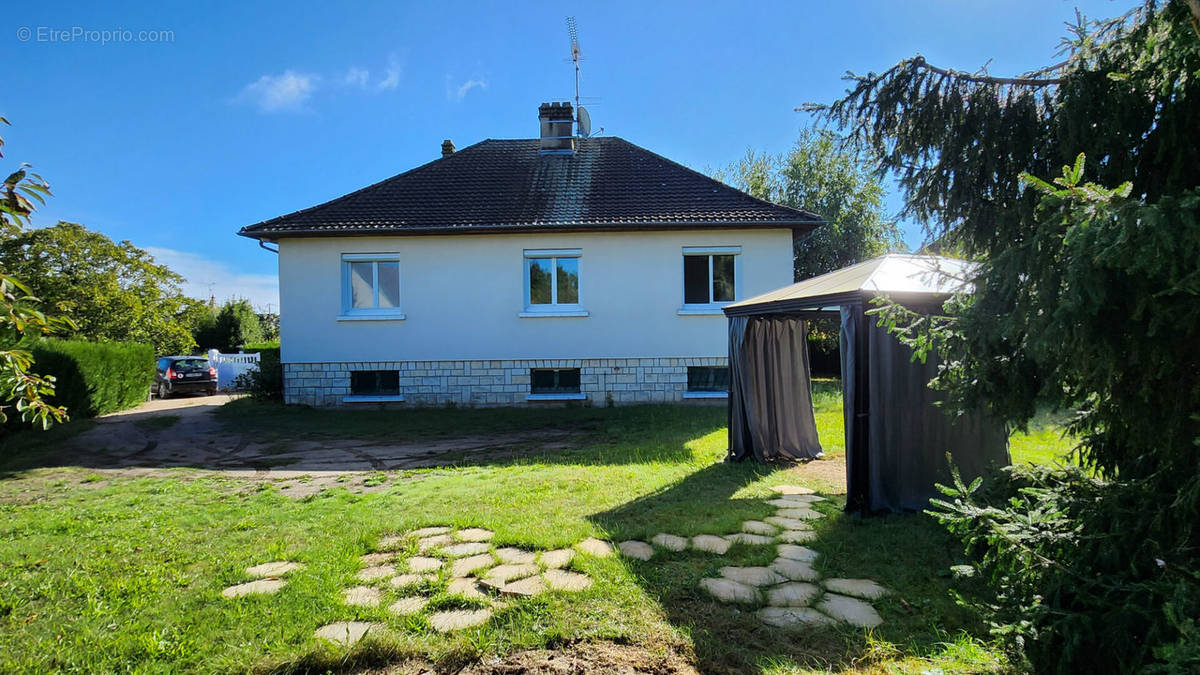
272,569
636,549
669,542
260,587
791,588
346,633
456,562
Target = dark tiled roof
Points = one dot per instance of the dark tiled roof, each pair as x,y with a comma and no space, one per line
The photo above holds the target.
506,185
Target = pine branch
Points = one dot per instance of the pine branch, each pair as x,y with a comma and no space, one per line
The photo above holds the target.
920,62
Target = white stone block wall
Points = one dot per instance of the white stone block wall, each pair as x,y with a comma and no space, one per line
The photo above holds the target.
498,383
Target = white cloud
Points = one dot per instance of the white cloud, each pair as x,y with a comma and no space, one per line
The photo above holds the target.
205,277
356,77
273,93
460,92
392,79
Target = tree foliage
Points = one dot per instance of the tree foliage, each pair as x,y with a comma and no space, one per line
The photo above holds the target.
819,174
115,292
22,319
230,328
1087,298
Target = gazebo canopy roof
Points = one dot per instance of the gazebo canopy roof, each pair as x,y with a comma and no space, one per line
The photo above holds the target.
908,278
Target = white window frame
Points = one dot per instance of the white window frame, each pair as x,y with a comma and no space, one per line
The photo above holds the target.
376,313
709,308
554,309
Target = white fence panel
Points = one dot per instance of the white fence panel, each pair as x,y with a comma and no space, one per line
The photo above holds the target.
229,366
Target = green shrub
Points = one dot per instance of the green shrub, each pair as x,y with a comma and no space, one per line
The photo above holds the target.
95,378
256,347
265,383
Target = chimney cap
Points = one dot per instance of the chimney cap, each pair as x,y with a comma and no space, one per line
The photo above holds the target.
447,147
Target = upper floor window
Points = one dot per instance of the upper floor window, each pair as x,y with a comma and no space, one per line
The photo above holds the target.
710,275
371,286
552,283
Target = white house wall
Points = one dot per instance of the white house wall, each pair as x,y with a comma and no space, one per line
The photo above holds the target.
462,296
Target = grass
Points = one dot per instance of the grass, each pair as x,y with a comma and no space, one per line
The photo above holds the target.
124,574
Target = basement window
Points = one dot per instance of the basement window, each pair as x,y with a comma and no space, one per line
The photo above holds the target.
375,383
550,384
707,382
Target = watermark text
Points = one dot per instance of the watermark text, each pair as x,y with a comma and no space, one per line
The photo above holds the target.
99,36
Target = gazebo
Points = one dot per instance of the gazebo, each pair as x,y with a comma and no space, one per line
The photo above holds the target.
897,437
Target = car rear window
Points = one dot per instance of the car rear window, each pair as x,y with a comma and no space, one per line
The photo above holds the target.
191,364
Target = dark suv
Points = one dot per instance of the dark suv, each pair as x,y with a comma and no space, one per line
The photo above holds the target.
182,374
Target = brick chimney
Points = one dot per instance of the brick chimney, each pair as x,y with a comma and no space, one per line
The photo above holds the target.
556,121
447,147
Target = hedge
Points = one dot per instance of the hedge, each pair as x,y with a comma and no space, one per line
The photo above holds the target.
95,378
266,382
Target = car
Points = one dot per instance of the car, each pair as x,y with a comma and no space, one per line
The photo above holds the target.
184,374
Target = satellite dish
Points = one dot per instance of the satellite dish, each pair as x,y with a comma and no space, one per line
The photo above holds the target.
585,122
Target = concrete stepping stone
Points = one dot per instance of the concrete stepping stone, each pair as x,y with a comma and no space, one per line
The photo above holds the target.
260,587
376,572
789,523
752,576
392,542
593,546
464,566
792,617
728,590
560,580
851,610
403,580
669,541
467,588
751,539
710,543
793,490
346,633
800,514
420,563
408,606
801,553
428,532
792,594
559,557
636,549
362,596
759,527
445,622
858,588
796,536
528,587
796,570
429,543
464,549
515,556
502,574
474,534
272,569
801,499
373,559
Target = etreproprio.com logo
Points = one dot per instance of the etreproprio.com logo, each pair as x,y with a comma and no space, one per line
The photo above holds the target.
99,36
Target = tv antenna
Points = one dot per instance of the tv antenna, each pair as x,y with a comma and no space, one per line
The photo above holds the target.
583,121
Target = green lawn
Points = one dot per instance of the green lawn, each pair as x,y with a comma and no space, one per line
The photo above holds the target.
102,574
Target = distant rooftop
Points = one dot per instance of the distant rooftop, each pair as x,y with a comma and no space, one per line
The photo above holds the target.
494,186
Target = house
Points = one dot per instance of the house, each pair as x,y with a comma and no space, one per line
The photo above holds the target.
516,271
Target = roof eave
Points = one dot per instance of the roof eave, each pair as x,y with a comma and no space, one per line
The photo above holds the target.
273,235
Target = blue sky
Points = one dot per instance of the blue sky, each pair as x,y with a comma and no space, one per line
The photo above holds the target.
246,111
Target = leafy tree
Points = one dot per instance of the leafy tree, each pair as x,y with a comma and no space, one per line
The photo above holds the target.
230,328
22,321
820,174
113,291
1087,298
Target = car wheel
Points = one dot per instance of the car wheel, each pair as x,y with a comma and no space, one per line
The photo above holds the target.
162,390
212,392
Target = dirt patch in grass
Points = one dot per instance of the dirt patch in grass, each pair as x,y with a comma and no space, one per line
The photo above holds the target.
577,659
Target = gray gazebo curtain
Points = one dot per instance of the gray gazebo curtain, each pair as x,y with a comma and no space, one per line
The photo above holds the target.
770,396
897,437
